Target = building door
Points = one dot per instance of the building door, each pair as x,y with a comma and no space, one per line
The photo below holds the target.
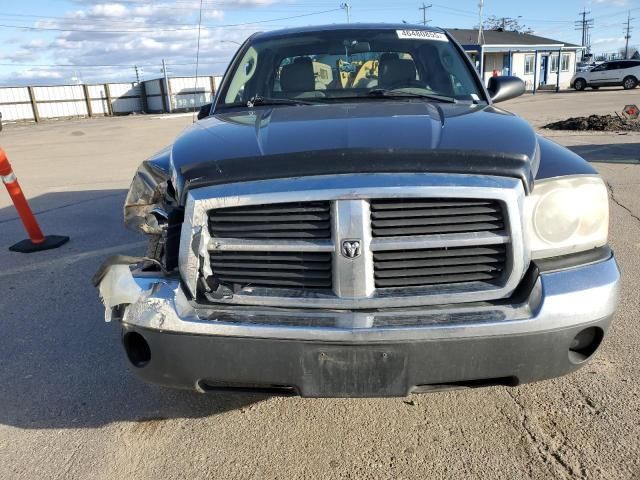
506,64
544,69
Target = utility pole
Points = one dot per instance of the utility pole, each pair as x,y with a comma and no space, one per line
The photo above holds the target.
627,36
137,74
166,85
585,25
480,20
347,8
424,9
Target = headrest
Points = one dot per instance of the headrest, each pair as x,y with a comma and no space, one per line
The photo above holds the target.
395,72
298,76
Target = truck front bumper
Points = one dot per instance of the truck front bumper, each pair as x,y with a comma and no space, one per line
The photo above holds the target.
552,332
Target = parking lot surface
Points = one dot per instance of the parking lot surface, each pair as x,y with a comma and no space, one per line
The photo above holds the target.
70,409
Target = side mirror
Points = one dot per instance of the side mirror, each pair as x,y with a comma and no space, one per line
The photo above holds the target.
505,88
204,111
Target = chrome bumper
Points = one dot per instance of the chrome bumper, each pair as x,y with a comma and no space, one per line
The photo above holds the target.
558,300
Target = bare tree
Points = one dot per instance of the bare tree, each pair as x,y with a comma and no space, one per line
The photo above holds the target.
508,24
632,51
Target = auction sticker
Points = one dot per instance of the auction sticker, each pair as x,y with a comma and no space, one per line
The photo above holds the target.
422,35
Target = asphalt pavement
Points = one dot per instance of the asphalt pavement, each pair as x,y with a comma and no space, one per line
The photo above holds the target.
70,409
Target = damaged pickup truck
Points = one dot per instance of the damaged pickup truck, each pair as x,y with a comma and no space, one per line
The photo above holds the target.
354,217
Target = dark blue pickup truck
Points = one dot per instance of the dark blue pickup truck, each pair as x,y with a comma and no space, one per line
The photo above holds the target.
352,217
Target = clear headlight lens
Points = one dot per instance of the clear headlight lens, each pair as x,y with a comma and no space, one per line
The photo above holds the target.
567,215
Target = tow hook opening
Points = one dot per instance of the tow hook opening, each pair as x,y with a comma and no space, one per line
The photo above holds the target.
585,344
137,349
204,386
468,384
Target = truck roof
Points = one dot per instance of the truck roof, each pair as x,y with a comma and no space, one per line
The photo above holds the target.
344,26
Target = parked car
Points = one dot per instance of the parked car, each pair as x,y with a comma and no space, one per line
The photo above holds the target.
363,235
584,67
625,73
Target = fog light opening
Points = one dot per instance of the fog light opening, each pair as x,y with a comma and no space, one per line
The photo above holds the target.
585,344
137,349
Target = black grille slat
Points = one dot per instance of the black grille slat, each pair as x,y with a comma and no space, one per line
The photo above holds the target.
412,217
432,220
269,256
273,269
223,229
423,281
435,230
431,212
441,266
225,265
276,208
278,283
402,204
433,263
427,272
272,273
281,235
294,221
289,218
439,253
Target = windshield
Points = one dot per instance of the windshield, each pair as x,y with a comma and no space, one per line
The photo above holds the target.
331,66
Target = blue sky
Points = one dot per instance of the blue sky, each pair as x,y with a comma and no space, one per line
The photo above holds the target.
101,40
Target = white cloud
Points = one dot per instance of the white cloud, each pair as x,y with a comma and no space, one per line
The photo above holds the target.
605,41
113,10
132,34
617,3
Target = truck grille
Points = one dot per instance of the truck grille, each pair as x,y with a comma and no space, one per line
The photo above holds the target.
299,220
410,268
405,217
271,269
356,245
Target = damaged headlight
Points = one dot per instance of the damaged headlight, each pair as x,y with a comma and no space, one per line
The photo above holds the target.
148,199
567,215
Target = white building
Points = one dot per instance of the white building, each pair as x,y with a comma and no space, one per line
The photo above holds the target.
540,62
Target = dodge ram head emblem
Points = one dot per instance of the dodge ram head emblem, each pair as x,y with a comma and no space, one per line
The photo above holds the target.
351,248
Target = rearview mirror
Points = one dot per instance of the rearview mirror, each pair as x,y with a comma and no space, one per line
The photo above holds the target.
505,88
204,111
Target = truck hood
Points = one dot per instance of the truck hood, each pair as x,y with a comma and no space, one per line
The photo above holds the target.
285,141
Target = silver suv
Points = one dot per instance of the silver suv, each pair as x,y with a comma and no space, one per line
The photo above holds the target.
625,73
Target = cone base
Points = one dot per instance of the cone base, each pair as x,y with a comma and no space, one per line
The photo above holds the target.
50,242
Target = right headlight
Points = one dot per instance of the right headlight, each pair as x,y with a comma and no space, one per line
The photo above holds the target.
567,215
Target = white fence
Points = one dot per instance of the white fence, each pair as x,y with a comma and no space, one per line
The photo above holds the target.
39,103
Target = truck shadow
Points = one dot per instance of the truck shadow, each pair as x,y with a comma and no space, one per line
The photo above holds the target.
625,153
61,366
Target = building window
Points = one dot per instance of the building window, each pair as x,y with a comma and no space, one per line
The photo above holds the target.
529,64
566,60
554,63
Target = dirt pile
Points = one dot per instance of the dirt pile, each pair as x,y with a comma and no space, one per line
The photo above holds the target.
598,123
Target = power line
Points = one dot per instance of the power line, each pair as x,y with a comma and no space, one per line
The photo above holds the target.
195,87
212,27
627,36
585,25
424,9
480,26
60,65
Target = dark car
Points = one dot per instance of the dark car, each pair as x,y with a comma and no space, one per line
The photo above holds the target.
354,216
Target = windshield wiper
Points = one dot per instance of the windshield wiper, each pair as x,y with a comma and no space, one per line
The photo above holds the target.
385,93
258,100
